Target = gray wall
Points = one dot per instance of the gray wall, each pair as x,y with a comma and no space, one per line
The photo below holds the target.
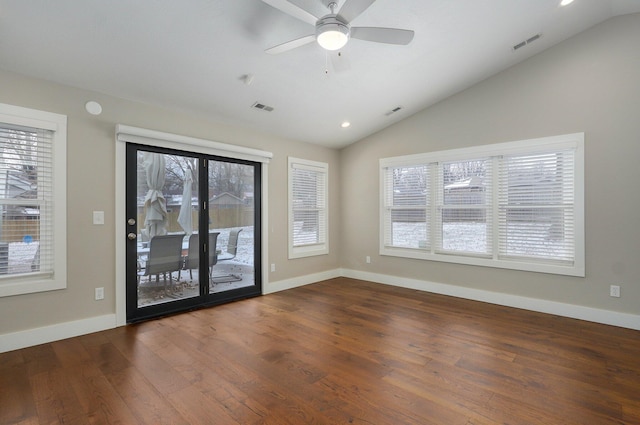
591,84
91,187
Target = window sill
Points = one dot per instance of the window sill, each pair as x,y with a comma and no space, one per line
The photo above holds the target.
420,254
20,286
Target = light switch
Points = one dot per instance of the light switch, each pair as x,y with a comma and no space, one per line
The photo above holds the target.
98,217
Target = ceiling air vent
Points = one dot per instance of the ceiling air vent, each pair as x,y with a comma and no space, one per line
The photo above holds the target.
262,106
393,111
526,42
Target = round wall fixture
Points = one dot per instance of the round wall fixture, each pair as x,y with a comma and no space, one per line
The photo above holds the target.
92,107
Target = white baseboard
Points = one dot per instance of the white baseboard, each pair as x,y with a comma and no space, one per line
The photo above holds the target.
607,317
37,336
282,285
31,337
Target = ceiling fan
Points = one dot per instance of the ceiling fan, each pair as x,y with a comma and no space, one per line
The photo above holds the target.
333,30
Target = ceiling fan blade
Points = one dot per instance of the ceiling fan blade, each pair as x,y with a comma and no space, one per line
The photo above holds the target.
382,35
351,9
293,10
290,45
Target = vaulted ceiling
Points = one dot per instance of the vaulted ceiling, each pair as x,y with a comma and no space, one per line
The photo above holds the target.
207,56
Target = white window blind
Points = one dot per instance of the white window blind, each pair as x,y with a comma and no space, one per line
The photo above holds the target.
26,198
516,205
464,200
308,214
32,200
406,211
537,206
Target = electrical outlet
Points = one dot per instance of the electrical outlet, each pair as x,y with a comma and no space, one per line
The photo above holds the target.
99,294
273,267
614,291
368,259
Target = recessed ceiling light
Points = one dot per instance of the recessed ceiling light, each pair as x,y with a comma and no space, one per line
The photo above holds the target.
566,2
345,124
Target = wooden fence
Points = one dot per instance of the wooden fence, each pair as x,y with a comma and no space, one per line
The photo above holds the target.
15,229
219,218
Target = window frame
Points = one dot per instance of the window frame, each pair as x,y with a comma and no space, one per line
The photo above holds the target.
322,247
34,282
573,141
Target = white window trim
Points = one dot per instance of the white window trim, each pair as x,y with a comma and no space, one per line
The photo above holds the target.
310,250
16,284
143,136
575,141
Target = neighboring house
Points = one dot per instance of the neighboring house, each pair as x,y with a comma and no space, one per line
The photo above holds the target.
226,200
17,185
470,191
227,210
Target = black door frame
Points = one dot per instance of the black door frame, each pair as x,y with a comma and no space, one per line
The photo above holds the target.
205,299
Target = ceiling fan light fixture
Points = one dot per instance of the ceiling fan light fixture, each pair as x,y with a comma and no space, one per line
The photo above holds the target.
333,31
331,34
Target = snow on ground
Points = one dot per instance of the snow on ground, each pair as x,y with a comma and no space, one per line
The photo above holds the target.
459,236
472,237
21,255
244,253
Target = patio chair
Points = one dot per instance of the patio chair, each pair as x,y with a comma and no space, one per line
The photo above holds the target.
165,256
232,250
192,260
232,246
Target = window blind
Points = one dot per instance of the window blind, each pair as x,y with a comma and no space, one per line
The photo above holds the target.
407,207
514,205
536,206
26,200
308,205
464,204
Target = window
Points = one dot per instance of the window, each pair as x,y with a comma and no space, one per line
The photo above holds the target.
517,205
536,206
464,207
308,208
32,200
407,207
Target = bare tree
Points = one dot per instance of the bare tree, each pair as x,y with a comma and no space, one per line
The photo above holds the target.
224,177
178,168
230,177
459,171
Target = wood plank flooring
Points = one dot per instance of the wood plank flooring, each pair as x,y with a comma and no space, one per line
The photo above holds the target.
341,351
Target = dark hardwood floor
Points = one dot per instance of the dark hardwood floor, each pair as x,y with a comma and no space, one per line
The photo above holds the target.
338,352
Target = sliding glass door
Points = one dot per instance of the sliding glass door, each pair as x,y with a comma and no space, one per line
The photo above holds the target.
193,230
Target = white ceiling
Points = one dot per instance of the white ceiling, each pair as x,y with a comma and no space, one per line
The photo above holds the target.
190,55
